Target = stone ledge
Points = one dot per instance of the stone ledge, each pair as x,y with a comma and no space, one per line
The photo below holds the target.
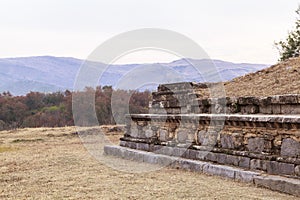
278,183
146,144
220,117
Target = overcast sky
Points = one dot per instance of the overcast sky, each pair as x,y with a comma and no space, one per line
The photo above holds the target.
231,30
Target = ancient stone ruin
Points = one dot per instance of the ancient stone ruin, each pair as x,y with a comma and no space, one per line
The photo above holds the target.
253,139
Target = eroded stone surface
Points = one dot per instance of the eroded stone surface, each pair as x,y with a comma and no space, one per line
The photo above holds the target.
278,168
257,164
256,144
297,170
233,141
290,148
218,170
163,135
182,136
290,186
256,133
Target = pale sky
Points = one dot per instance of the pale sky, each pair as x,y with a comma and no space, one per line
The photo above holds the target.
231,30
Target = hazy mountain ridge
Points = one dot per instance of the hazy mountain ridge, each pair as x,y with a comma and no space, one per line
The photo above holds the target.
49,74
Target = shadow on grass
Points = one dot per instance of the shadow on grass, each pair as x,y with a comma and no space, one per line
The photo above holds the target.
27,140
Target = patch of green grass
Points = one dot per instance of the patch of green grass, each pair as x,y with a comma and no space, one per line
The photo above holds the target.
4,149
27,140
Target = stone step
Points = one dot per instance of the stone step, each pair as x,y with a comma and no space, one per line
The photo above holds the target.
228,117
277,183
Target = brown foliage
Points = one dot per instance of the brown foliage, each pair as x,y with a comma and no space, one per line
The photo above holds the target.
55,109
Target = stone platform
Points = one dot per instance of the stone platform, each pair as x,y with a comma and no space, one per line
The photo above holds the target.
256,134
269,143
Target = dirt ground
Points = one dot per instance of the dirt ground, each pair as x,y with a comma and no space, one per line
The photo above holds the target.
52,163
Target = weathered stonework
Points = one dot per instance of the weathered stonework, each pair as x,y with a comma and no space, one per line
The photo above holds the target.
259,134
278,183
290,147
185,98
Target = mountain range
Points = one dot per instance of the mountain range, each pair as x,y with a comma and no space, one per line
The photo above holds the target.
50,74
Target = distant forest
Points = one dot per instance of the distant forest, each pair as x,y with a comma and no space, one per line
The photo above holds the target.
55,109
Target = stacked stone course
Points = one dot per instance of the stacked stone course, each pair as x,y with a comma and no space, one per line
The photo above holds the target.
258,138
257,133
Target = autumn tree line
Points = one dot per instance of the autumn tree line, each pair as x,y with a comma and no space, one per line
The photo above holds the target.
37,109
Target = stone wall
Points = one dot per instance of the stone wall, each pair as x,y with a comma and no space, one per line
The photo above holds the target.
188,98
267,143
260,134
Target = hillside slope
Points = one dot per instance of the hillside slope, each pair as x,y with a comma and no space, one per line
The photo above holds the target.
282,78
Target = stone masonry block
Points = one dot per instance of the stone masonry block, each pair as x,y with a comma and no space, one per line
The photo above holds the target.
211,157
276,109
278,168
259,145
221,158
150,158
123,143
248,100
138,157
128,154
297,170
232,160
234,141
163,135
134,132
201,155
245,176
192,154
131,145
290,148
142,146
266,109
244,162
219,170
165,150
150,133
290,109
179,152
249,109
282,184
182,136
165,160
201,136
257,164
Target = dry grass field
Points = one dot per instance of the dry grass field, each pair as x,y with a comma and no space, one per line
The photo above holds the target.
52,163
279,79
